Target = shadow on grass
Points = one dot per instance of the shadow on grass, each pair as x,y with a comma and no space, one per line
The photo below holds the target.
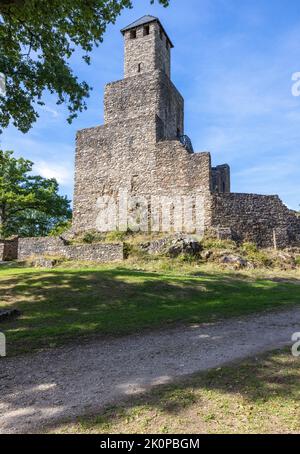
259,383
61,305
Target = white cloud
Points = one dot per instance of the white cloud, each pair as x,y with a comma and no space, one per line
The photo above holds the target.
62,173
54,113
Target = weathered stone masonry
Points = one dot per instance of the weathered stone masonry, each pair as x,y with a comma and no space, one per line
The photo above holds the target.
257,218
52,246
137,153
8,249
138,168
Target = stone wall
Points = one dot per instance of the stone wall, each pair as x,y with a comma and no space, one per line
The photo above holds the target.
148,95
39,246
170,108
221,178
131,98
262,219
95,252
9,249
52,246
120,181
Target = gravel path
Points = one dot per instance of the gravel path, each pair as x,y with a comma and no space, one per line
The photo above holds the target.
41,389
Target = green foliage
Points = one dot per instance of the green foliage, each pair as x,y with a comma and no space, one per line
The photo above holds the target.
187,258
213,243
29,205
92,236
249,248
260,258
255,255
298,260
117,236
60,228
109,237
135,253
89,238
37,40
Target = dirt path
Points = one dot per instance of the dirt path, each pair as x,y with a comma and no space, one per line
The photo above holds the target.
41,389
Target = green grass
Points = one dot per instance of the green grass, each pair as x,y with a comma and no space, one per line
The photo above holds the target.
259,395
64,304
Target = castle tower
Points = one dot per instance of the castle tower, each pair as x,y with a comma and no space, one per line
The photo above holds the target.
136,171
146,90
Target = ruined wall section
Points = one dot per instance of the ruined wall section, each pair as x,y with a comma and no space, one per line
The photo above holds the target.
256,218
178,170
221,178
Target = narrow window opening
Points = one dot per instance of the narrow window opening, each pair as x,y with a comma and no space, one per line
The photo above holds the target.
224,187
146,30
133,34
178,133
134,184
160,33
139,67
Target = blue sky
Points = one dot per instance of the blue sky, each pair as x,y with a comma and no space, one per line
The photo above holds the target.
233,62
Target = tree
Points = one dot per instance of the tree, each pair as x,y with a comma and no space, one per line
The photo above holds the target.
29,205
37,38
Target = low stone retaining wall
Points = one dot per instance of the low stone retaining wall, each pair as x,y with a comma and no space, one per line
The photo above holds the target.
52,246
8,249
95,252
29,247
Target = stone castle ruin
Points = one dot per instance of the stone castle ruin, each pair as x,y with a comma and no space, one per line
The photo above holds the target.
139,170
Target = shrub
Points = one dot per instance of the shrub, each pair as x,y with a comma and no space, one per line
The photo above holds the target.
188,258
92,237
132,250
116,236
89,238
213,243
260,258
249,248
